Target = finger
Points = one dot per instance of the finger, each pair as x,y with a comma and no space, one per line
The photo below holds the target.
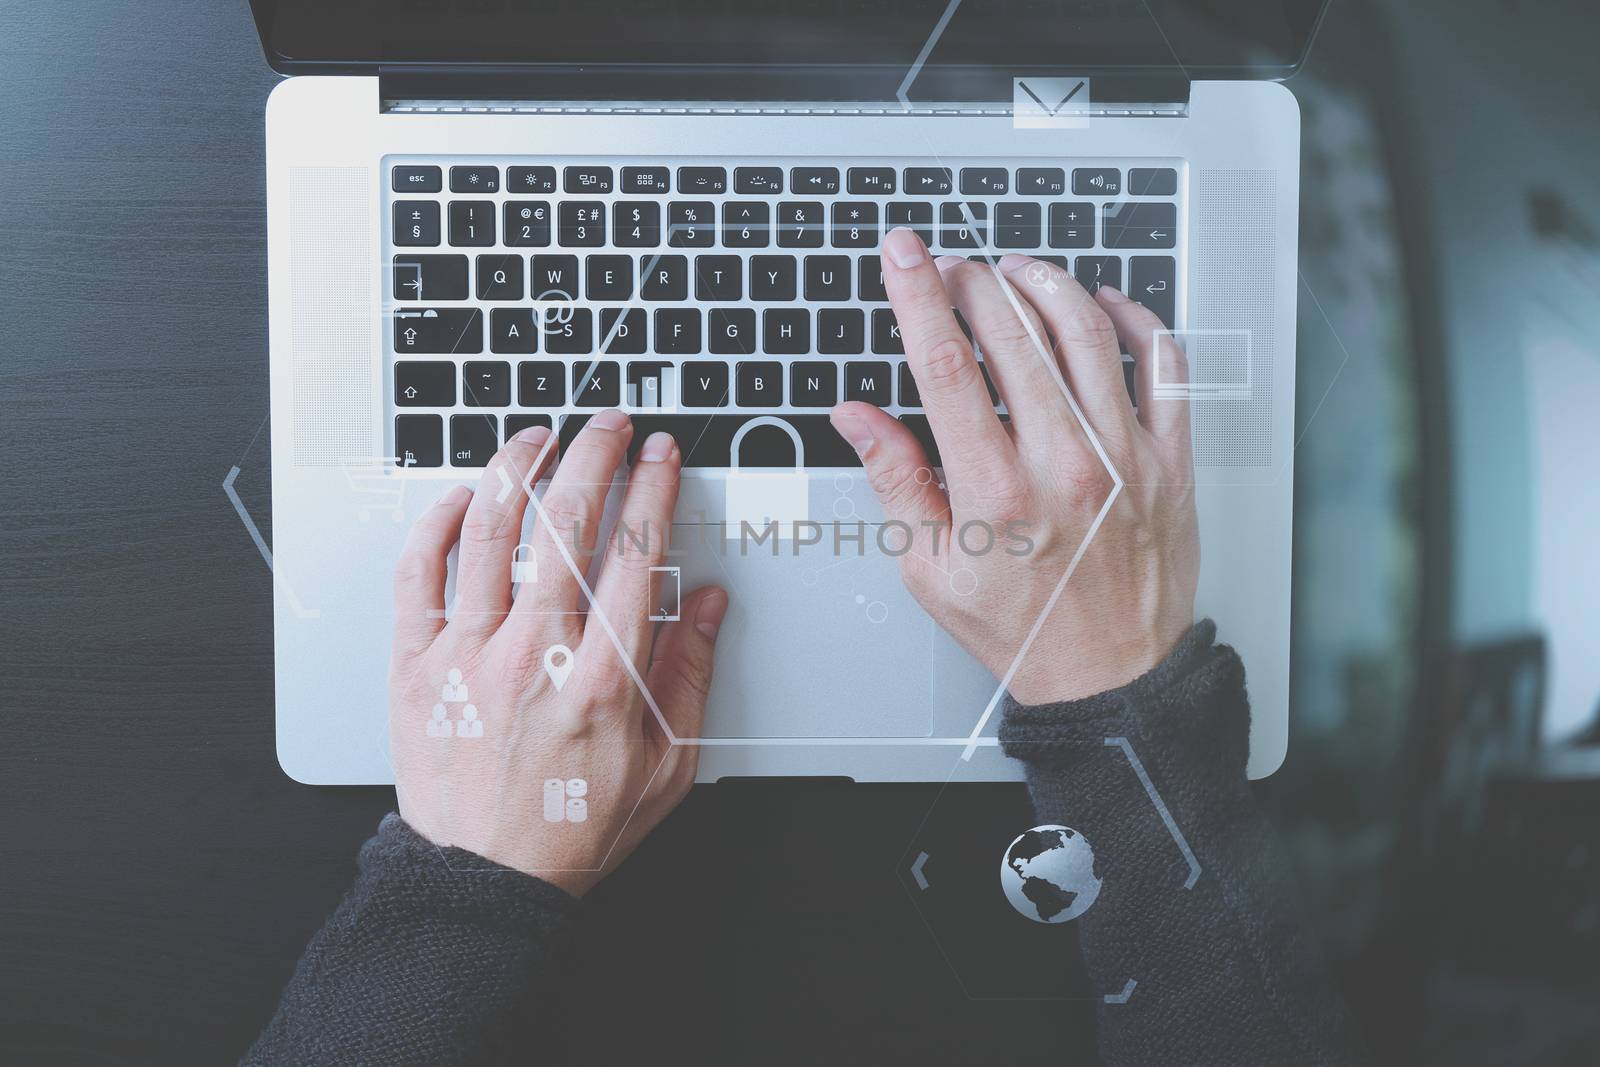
570,511
419,574
971,442
1085,341
1014,346
680,677
1156,357
493,527
897,467
639,542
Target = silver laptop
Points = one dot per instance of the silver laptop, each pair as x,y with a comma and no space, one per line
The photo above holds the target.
481,220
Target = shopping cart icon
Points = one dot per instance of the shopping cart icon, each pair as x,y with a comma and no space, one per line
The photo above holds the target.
377,485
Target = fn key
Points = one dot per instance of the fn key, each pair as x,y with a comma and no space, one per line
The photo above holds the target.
418,441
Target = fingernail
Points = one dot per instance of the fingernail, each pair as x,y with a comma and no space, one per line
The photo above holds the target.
657,447
1013,261
905,248
1112,296
533,435
708,618
944,263
853,428
610,419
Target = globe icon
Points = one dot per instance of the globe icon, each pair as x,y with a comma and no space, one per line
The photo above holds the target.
1048,874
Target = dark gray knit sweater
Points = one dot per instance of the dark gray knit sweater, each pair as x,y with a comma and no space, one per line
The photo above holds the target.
429,963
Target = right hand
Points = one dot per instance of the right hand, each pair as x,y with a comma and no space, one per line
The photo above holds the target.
1131,596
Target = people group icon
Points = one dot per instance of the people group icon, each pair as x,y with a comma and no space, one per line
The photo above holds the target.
454,691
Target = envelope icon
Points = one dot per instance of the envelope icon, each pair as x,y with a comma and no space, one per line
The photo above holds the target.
1050,103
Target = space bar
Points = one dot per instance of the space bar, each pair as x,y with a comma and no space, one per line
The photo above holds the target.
707,440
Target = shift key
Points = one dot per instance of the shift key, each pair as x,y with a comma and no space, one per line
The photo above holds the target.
440,330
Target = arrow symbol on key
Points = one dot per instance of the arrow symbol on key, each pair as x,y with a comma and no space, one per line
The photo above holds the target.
1156,235
1157,287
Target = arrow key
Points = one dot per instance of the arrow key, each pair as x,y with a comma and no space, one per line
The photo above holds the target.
1151,282
425,385
1141,225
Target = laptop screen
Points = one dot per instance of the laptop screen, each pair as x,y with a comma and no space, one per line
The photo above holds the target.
1197,38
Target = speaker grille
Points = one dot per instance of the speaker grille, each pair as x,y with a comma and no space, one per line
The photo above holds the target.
331,266
1233,290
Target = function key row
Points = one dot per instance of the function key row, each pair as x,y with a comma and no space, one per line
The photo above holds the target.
769,181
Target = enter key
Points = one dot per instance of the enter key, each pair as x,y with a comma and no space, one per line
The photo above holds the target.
1151,281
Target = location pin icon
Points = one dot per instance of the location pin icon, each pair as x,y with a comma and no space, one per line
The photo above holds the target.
558,664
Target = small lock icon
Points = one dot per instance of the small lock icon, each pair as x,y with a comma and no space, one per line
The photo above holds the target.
763,498
524,564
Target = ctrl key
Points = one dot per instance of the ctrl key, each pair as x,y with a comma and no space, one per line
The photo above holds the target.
419,441
473,440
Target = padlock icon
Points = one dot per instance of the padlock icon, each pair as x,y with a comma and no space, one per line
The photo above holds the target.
524,564
766,499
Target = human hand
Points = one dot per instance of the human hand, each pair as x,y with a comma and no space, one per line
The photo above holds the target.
475,775
1038,480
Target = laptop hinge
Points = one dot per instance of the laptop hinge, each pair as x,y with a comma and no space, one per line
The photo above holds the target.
737,91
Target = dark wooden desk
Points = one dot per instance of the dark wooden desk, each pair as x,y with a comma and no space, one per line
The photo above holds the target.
158,873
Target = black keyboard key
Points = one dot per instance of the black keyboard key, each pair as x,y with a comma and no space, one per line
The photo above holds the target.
515,424
527,223
438,330
718,278
919,427
500,277
1041,181
818,181
416,180
918,217
568,331
702,385
474,179
732,331
1096,181
542,384
664,277
870,285
581,224
636,224
758,384
678,332
597,384
886,338
1018,225
425,385
1094,271
419,277
746,224
1152,181
416,223
418,441
586,179
855,224
772,278
827,278
870,181
703,180
472,222
985,181
513,330
530,179
910,397
786,331
1072,225
758,181
706,440
841,332
800,225
867,382
646,180
1151,224
486,385
642,384
691,224
813,384
622,331
554,277
956,231
928,181
609,278
1152,281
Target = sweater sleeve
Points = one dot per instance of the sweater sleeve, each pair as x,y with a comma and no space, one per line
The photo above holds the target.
1222,972
437,957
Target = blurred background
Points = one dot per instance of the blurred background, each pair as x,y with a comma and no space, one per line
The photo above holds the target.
1441,799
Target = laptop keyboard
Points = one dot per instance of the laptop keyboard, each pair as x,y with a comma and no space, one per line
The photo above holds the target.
698,298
